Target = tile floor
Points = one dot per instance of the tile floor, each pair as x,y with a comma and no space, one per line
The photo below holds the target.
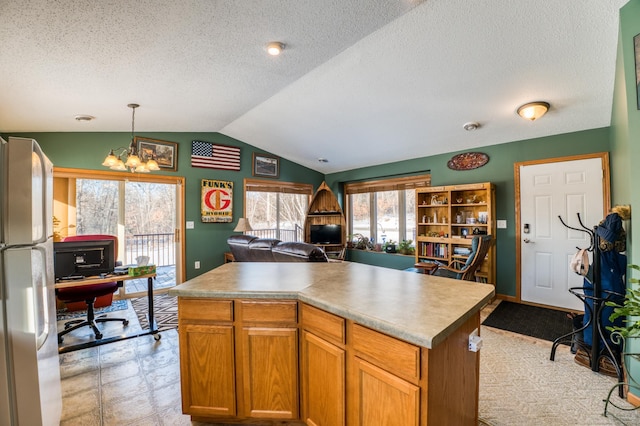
130,382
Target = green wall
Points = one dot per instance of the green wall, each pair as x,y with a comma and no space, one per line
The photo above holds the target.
498,170
207,242
625,132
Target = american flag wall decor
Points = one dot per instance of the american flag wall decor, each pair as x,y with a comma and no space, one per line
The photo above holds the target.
214,156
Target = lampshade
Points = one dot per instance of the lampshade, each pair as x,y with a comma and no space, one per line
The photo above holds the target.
533,110
243,225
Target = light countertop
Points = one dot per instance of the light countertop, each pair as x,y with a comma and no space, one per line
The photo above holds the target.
418,308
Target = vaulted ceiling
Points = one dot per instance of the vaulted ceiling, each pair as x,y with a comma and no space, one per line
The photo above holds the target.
360,82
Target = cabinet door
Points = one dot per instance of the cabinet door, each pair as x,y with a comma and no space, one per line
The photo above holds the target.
323,382
382,398
208,387
270,372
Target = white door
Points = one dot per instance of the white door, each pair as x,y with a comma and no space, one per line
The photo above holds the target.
547,191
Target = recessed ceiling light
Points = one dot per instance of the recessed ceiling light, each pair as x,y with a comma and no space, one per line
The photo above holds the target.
84,117
322,160
470,126
275,48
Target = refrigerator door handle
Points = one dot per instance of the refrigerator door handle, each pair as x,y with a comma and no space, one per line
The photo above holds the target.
46,194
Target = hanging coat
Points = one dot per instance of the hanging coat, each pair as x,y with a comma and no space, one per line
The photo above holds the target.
613,266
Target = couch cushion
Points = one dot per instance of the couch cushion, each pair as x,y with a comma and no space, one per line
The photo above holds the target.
298,252
260,249
239,245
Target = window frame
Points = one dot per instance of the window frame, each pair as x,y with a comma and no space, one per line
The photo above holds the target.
280,187
372,187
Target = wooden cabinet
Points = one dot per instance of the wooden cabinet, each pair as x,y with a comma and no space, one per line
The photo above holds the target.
324,210
239,359
208,388
383,398
323,368
268,353
385,378
447,218
206,333
239,363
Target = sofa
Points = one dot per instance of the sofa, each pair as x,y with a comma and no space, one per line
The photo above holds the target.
247,248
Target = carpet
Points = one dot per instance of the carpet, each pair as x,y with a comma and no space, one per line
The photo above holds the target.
534,321
116,305
165,311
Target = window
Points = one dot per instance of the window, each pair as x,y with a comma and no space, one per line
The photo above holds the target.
143,212
384,210
277,209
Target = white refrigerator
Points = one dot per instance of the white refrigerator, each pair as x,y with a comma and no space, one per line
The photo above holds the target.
29,368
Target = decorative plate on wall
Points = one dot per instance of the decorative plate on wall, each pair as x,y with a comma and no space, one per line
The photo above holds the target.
468,161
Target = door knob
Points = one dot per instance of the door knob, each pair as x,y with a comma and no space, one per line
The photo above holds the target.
527,241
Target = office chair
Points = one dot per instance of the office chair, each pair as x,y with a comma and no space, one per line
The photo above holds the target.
460,270
88,294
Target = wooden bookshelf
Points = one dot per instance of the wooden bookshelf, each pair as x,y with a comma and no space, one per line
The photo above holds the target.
448,216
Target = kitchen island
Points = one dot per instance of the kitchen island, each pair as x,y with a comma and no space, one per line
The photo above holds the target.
328,344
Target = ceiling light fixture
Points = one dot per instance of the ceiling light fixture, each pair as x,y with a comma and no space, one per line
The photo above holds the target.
322,160
470,126
275,48
134,162
533,110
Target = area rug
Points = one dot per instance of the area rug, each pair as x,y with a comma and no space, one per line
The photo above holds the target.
116,305
534,321
165,311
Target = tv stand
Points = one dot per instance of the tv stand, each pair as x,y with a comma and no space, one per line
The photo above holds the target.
324,209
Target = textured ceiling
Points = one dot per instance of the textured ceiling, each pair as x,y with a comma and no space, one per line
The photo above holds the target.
361,82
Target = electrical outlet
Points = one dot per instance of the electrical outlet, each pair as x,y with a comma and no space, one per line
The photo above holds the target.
190,224
475,341
501,224
197,264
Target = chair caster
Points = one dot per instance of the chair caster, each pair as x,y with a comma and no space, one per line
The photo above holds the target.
60,339
157,337
125,322
98,336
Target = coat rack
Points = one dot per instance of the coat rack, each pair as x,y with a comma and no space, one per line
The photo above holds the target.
598,302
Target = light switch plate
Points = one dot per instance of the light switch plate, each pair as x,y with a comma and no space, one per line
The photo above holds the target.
501,223
190,224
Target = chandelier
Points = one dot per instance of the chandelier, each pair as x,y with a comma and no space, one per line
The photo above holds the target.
133,160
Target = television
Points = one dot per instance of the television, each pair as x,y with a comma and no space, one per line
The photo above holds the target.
81,259
326,234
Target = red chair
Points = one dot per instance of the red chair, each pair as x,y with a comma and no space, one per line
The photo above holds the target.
88,294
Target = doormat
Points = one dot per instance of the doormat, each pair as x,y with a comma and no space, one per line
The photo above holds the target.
165,311
116,305
534,321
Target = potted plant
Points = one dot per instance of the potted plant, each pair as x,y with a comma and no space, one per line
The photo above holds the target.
629,311
360,242
405,247
389,246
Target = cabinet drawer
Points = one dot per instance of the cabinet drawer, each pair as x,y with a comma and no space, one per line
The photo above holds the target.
323,324
205,310
269,312
398,357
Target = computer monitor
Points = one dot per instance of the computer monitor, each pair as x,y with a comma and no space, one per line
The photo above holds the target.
83,258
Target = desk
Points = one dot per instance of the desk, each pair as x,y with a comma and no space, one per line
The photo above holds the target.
153,327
